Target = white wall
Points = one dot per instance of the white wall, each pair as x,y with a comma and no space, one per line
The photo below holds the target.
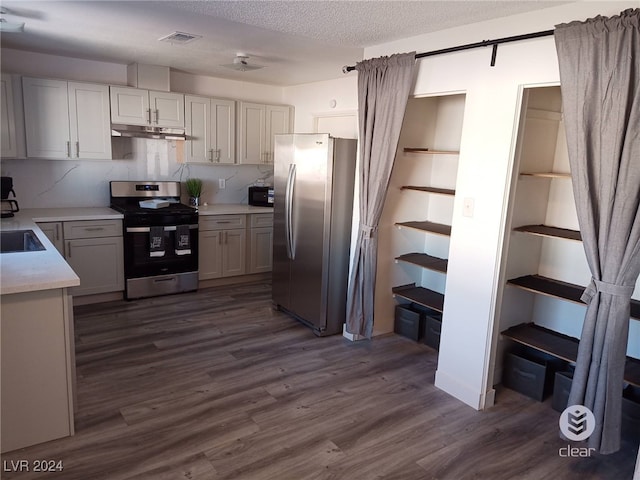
69,183
484,172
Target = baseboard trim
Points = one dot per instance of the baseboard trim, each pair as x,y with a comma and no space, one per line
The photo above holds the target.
240,279
463,392
97,298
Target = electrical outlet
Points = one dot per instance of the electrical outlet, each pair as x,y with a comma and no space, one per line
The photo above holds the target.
222,183
467,207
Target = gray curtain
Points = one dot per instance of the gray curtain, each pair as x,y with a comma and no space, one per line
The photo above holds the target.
383,90
600,80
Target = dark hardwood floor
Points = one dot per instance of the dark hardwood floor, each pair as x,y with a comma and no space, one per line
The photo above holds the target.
217,385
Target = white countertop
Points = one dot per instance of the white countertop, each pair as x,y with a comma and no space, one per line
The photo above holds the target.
22,272
69,214
231,209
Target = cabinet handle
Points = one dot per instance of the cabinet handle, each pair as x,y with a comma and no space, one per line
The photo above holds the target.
157,116
220,238
149,114
78,149
211,155
57,231
223,221
68,149
218,155
69,249
93,229
226,237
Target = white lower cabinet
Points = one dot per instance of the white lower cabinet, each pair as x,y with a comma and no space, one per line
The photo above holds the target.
54,232
93,248
222,246
261,243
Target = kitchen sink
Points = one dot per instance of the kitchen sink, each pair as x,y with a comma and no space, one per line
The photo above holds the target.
19,241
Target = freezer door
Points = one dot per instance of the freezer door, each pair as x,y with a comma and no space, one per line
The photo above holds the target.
281,271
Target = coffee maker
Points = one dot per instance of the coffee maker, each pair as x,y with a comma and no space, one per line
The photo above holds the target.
7,206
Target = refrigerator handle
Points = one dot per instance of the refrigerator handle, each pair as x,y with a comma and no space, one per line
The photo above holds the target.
289,210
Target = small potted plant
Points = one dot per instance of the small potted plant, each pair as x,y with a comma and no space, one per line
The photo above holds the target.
194,189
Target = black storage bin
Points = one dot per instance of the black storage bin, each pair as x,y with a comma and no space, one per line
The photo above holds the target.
408,322
561,389
530,372
432,327
631,413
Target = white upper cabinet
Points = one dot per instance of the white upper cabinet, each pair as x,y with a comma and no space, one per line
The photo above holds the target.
66,119
257,124
135,106
210,129
8,139
90,129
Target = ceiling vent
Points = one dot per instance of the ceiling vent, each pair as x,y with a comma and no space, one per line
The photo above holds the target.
180,38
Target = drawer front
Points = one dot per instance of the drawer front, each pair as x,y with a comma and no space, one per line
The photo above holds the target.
92,229
222,222
261,220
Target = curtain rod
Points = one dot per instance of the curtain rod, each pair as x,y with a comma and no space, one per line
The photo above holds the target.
469,46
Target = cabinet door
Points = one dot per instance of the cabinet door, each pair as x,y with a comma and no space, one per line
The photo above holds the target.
8,139
198,147
234,253
223,128
261,250
277,122
46,116
89,121
130,106
251,133
210,254
167,109
53,231
99,264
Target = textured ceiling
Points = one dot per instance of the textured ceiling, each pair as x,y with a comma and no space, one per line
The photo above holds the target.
296,41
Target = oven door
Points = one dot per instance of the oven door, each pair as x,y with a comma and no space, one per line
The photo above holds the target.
139,262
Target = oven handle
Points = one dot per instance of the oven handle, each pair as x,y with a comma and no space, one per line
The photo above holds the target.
147,229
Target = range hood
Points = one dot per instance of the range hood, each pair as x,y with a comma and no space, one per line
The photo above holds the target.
140,131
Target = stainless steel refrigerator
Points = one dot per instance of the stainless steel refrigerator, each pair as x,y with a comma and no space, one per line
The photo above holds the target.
313,207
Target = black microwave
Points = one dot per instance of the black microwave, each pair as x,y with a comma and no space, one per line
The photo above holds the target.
261,196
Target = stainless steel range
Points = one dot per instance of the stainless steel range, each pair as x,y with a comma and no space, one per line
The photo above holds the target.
160,238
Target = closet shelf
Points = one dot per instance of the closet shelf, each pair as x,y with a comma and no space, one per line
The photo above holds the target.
441,191
427,151
561,346
547,231
559,289
420,295
546,174
425,261
437,228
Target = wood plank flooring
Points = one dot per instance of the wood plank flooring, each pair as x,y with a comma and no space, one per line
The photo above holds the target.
216,385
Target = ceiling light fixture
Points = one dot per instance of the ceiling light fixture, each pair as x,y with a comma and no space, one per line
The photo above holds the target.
9,27
241,64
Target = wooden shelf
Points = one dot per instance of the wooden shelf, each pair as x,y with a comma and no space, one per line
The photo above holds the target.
441,191
547,231
559,289
561,346
546,174
420,295
425,261
427,151
437,228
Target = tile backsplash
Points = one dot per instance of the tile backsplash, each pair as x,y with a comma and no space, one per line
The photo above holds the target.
85,183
